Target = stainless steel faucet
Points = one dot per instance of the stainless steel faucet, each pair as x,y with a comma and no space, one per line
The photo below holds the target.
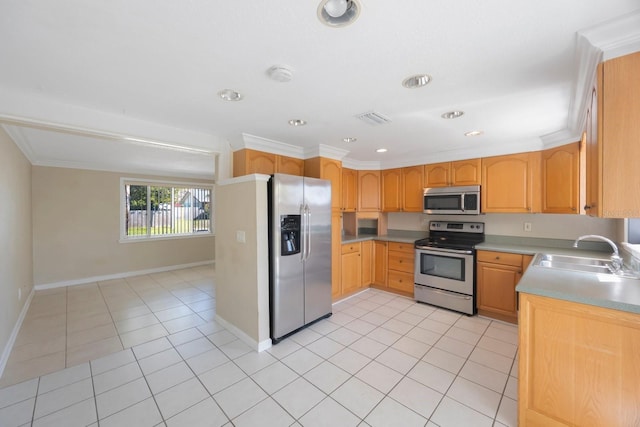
616,261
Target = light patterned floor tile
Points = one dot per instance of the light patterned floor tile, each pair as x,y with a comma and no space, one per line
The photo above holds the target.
329,413
389,412
239,397
203,414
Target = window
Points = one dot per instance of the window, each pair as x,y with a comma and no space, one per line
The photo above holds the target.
159,209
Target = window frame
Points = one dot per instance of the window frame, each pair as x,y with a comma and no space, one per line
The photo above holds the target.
124,181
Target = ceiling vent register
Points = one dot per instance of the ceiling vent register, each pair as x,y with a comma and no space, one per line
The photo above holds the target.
373,118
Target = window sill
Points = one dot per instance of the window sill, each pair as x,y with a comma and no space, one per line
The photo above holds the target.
157,238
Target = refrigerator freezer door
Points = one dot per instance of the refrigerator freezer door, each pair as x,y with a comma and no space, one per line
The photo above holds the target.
287,272
317,266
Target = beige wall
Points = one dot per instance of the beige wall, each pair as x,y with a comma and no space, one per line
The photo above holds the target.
76,230
242,269
16,268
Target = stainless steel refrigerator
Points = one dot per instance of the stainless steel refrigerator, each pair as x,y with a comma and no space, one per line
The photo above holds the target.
299,253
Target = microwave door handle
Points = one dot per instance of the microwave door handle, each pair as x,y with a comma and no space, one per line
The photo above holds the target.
462,200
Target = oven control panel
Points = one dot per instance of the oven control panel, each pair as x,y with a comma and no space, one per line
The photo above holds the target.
459,227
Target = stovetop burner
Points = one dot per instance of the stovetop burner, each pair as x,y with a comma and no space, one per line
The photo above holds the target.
453,235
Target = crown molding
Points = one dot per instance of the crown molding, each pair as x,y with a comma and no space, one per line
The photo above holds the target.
610,39
616,37
325,151
15,133
259,143
360,165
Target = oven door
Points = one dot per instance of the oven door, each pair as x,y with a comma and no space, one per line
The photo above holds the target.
446,269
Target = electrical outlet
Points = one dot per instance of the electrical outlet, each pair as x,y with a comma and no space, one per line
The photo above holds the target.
527,226
241,236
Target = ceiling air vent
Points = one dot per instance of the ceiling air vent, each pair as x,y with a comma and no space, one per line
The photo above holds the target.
373,118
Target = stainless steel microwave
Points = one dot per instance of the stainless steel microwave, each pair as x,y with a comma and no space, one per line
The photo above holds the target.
452,200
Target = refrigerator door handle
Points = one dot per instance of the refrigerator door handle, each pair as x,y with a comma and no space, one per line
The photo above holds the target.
308,232
303,234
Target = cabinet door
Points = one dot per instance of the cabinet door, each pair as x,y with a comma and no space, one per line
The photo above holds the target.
290,165
321,167
619,129
349,189
437,175
260,162
466,172
496,286
369,191
248,161
560,179
336,256
510,182
366,257
391,190
412,182
578,364
380,263
351,271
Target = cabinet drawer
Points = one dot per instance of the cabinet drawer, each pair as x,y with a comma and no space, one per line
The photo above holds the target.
500,258
400,281
402,247
349,248
401,261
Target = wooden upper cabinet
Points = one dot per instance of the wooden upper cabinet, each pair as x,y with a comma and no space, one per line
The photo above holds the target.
391,190
289,165
247,161
368,191
324,168
412,189
561,179
402,189
349,189
466,172
613,151
437,175
511,184
461,172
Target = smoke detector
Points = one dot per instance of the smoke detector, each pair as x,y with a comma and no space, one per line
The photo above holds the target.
280,73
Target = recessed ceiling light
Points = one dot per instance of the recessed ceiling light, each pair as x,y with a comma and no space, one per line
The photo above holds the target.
474,133
452,114
351,139
338,13
230,95
381,150
416,81
297,122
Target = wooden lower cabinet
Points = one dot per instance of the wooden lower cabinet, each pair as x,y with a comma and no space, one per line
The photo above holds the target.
498,273
579,364
380,263
366,257
400,275
351,267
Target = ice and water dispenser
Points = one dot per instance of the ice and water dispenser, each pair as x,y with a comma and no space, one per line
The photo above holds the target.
290,234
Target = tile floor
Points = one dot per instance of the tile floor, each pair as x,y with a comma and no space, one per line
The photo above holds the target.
146,351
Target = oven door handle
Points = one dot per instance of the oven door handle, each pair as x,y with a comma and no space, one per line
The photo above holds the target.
449,294
451,251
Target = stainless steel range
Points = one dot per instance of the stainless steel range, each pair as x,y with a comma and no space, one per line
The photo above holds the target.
445,265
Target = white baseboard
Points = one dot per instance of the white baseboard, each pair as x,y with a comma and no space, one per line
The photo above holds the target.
258,346
14,334
86,280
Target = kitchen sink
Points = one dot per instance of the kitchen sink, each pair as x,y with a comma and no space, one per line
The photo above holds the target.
582,264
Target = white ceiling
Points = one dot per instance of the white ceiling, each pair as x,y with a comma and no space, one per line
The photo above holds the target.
79,78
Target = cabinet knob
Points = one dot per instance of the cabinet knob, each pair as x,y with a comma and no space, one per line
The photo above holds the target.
497,257
587,207
400,261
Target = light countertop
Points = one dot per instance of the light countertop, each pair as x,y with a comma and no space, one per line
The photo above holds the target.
602,290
